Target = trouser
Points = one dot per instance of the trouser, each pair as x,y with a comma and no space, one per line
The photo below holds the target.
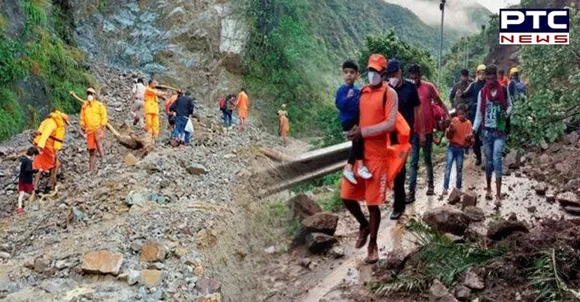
399,190
427,150
477,143
493,144
454,154
227,118
179,130
152,123
357,149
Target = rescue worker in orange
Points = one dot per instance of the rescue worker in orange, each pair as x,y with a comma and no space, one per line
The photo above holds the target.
151,101
243,104
49,139
284,124
503,80
378,117
93,120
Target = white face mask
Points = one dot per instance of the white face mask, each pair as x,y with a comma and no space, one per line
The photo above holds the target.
394,82
412,81
374,78
90,97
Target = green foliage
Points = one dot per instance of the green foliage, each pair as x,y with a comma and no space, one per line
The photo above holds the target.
553,87
333,202
546,278
326,180
391,47
439,258
41,56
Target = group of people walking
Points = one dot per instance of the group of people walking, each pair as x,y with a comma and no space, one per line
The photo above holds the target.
229,104
407,115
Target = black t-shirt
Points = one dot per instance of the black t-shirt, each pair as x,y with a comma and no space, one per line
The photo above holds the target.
408,100
26,171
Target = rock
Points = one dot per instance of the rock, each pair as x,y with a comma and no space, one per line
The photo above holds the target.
133,277
5,255
208,286
550,197
474,214
544,145
61,264
455,196
532,209
153,251
5,247
217,297
454,238
321,223
151,278
568,199
572,210
563,167
130,160
572,138
196,169
337,252
472,280
305,262
103,261
439,293
513,160
447,219
301,206
198,271
462,292
573,184
541,188
469,200
41,264
396,259
499,230
319,242
136,245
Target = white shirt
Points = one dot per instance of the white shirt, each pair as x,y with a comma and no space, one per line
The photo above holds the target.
139,91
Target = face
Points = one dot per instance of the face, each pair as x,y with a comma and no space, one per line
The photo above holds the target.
414,76
481,75
350,75
461,114
153,84
464,78
491,78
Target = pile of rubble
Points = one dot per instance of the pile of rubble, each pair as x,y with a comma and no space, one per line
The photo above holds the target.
137,228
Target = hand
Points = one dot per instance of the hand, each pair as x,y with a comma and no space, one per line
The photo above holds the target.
72,93
350,94
458,92
354,134
422,140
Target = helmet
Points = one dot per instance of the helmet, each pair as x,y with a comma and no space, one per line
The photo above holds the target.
91,90
481,67
514,70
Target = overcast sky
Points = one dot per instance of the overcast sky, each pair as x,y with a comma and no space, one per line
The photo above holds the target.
495,5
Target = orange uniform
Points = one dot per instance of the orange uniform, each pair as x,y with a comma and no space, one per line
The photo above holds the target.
151,103
504,81
243,104
284,126
49,139
94,119
378,117
460,132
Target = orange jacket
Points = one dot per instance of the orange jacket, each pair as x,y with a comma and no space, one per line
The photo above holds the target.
169,102
50,133
243,101
284,124
151,102
93,116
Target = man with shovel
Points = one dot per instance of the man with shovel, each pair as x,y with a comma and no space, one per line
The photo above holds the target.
93,121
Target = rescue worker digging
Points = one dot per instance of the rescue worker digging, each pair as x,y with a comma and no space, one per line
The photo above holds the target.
49,139
93,121
378,114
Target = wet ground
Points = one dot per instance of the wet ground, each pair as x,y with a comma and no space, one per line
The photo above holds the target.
327,279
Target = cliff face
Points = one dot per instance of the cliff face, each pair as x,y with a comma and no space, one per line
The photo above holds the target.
193,44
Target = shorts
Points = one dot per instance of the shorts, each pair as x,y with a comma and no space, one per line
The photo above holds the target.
25,187
46,160
373,191
92,138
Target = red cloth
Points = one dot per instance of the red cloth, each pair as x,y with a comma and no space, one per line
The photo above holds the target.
427,93
486,96
25,187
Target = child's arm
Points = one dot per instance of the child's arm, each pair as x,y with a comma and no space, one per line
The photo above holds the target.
341,98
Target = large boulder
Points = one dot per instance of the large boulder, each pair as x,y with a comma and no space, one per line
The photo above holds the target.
499,230
321,223
104,262
153,251
474,214
319,243
302,206
447,219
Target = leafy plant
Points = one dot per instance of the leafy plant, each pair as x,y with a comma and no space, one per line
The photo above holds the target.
546,278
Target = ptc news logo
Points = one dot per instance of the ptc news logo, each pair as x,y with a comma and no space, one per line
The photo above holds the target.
534,27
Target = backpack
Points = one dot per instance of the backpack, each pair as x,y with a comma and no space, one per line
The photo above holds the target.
222,103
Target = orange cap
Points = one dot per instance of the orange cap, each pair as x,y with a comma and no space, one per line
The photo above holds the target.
377,62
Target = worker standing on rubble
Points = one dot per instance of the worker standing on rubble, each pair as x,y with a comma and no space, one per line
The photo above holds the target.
151,103
378,115
137,107
49,139
284,124
243,104
93,121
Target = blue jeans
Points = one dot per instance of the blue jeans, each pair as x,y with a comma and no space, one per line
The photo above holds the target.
454,154
227,118
427,150
493,143
180,124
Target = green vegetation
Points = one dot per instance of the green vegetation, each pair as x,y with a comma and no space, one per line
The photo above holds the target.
546,277
438,258
39,58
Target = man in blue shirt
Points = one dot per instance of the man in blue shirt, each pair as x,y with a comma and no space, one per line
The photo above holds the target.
409,105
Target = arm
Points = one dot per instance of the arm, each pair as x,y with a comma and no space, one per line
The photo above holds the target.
29,169
341,99
510,104
435,96
391,109
173,106
478,116
452,94
74,95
